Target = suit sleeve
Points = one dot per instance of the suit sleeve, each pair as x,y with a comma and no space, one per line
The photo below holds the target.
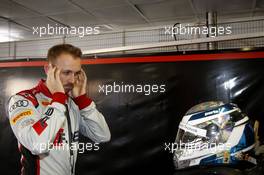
92,122
35,130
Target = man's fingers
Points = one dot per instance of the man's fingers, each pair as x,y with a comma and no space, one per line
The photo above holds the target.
57,74
84,75
50,72
81,76
53,72
49,69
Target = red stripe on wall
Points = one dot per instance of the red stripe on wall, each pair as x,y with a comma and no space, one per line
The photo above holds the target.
148,59
22,64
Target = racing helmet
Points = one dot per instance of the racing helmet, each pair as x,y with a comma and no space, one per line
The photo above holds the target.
213,133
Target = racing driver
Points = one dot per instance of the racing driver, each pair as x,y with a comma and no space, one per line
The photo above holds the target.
47,119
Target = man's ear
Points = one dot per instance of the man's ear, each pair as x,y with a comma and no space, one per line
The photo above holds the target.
46,67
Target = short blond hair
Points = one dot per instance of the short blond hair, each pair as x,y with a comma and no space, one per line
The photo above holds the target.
59,49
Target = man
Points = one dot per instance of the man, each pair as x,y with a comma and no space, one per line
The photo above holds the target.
46,119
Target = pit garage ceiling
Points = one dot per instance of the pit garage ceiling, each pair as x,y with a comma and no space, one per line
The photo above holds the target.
17,17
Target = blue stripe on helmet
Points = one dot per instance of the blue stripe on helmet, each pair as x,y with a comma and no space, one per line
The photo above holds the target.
246,140
217,110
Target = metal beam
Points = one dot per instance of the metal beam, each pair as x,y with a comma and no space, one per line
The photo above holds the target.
14,22
40,14
139,12
211,21
194,10
91,13
254,5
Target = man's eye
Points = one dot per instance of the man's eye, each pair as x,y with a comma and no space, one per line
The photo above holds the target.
66,73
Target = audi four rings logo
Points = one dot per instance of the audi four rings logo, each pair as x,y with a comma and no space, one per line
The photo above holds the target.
20,103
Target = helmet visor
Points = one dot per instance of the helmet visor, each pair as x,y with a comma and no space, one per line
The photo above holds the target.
216,130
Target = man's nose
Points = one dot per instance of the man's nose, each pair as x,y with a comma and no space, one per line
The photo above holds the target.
71,78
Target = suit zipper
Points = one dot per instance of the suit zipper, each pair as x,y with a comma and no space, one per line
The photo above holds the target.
70,137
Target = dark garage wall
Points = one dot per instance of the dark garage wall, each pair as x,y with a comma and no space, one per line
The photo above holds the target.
141,124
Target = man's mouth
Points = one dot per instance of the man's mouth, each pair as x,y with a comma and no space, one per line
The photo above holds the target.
68,87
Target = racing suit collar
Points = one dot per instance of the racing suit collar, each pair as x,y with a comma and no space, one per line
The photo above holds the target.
43,88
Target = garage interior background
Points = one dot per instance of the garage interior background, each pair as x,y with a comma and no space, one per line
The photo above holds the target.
139,124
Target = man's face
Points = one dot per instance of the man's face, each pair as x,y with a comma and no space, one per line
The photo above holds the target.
70,69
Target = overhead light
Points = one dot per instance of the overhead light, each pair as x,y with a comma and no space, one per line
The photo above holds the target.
108,26
246,49
6,36
5,39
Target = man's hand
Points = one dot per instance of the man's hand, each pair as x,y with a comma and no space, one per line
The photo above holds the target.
53,82
80,85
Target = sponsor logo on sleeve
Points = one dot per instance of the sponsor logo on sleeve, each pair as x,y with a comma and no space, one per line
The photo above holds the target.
17,104
41,125
26,123
20,116
45,103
